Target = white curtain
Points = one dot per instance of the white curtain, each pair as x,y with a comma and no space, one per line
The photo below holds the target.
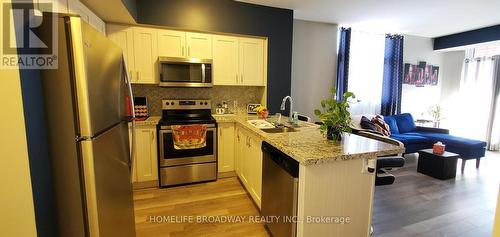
493,130
366,70
471,111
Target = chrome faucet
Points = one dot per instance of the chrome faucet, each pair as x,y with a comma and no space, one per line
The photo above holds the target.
282,107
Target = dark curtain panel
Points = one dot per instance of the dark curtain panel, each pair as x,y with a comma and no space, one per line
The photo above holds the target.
393,75
343,62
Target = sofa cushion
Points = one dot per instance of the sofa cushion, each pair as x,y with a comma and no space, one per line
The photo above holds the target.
450,140
367,124
405,123
410,139
356,120
389,120
381,125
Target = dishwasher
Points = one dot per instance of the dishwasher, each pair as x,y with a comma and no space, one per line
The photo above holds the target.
279,191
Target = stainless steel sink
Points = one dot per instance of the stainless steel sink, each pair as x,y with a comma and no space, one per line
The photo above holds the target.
279,130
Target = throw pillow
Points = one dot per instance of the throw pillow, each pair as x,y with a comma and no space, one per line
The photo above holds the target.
367,124
382,127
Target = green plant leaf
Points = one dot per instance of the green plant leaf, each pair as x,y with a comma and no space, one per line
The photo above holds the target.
335,114
317,112
333,91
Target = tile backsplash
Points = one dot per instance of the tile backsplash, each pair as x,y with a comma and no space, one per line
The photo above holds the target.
242,94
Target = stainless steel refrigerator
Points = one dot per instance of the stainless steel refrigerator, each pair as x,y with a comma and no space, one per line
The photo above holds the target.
86,110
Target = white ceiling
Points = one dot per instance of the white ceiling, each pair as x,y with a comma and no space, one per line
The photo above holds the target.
428,18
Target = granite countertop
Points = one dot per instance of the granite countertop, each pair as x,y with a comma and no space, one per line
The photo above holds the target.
152,120
309,147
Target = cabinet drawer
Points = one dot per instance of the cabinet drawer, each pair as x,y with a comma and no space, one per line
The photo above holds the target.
188,174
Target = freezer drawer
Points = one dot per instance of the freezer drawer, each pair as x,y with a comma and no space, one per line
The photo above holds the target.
188,174
106,165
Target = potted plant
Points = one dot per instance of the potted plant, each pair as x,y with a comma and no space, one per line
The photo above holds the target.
436,112
335,116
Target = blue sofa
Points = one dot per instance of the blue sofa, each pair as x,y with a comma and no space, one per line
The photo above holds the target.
415,138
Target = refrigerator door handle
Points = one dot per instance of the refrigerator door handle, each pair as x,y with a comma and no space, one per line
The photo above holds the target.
129,84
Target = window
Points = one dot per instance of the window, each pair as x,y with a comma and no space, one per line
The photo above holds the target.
366,69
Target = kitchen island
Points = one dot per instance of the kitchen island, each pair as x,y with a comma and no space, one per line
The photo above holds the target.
335,189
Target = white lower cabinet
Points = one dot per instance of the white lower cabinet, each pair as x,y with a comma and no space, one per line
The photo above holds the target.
145,166
225,148
248,162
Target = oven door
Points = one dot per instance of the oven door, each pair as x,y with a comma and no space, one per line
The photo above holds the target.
169,156
181,72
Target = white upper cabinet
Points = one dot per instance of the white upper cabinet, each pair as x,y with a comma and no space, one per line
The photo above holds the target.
238,61
145,55
123,36
171,43
251,61
199,45
225,60
60,6
76,7
72,7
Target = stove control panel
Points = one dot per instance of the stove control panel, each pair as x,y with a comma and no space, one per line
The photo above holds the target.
170,104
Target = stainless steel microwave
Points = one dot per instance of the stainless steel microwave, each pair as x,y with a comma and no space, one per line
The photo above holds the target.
185,72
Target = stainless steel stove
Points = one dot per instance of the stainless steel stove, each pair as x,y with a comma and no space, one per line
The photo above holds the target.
186,166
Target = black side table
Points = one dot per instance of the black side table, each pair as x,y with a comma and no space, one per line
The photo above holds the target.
438,166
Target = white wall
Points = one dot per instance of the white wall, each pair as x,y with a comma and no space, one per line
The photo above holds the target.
417,100
17,216
314,64
452,74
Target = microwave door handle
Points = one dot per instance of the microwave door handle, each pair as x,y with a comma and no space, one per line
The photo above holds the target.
202,73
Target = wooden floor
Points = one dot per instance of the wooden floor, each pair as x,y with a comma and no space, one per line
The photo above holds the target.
225,197
416,205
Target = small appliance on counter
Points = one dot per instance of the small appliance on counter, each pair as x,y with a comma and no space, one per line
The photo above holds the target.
222,108
252,108
141,108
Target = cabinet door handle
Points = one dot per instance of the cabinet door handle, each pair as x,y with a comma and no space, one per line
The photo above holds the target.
152,135
241,78
137,77
220,131
189,50
236,78
182,50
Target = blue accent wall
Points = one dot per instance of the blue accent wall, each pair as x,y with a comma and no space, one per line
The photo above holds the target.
233,17
482,35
